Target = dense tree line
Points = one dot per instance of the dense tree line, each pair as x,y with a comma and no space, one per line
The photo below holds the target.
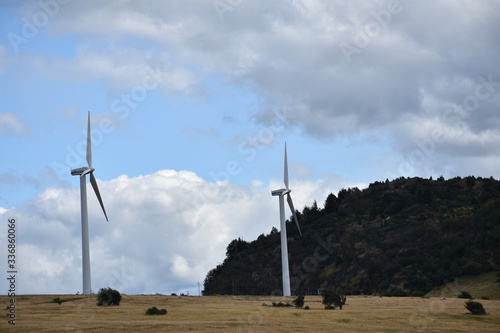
400,237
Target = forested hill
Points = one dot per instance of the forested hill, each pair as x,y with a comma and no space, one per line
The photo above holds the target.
401,237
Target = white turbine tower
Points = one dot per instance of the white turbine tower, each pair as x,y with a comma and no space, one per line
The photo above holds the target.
82,172
284,242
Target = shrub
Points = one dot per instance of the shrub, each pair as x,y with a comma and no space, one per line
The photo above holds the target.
464,294
57,300
108,296
306,307
281,305
332,299
299,301
474,307
154,311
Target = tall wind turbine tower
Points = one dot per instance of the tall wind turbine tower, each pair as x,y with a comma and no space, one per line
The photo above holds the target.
284,242
82,172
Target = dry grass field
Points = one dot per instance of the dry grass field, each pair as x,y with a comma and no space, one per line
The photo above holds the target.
477,286
38,313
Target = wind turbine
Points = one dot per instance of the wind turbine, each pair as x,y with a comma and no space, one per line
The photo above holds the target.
82,172
284,242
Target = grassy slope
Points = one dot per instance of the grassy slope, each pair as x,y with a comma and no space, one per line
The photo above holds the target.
476,286
247,314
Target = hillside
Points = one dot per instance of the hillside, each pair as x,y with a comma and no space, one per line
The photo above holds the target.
400,237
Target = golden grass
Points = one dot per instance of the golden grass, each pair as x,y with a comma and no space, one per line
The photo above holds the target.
37,313
478,286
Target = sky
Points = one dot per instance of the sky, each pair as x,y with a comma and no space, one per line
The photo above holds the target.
191,104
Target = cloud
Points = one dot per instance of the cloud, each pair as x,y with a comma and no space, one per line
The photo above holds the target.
290,53
166,230
11,125
124,69
15,179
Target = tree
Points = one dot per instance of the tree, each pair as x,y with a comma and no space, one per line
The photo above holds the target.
236,246
342,194
108,296
331,299
331,204
474,307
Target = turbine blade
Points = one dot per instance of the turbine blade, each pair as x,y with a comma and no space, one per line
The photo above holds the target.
96,190
286,170
290,203
89,144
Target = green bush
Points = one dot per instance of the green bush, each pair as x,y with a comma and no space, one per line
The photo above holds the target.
299,301
464,294
57,300
154,311
108,296
474,307
332,299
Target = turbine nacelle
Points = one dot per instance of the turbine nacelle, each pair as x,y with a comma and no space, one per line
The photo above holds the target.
280,192
82,171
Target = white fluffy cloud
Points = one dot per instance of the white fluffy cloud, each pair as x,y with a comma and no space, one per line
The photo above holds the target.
166,231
